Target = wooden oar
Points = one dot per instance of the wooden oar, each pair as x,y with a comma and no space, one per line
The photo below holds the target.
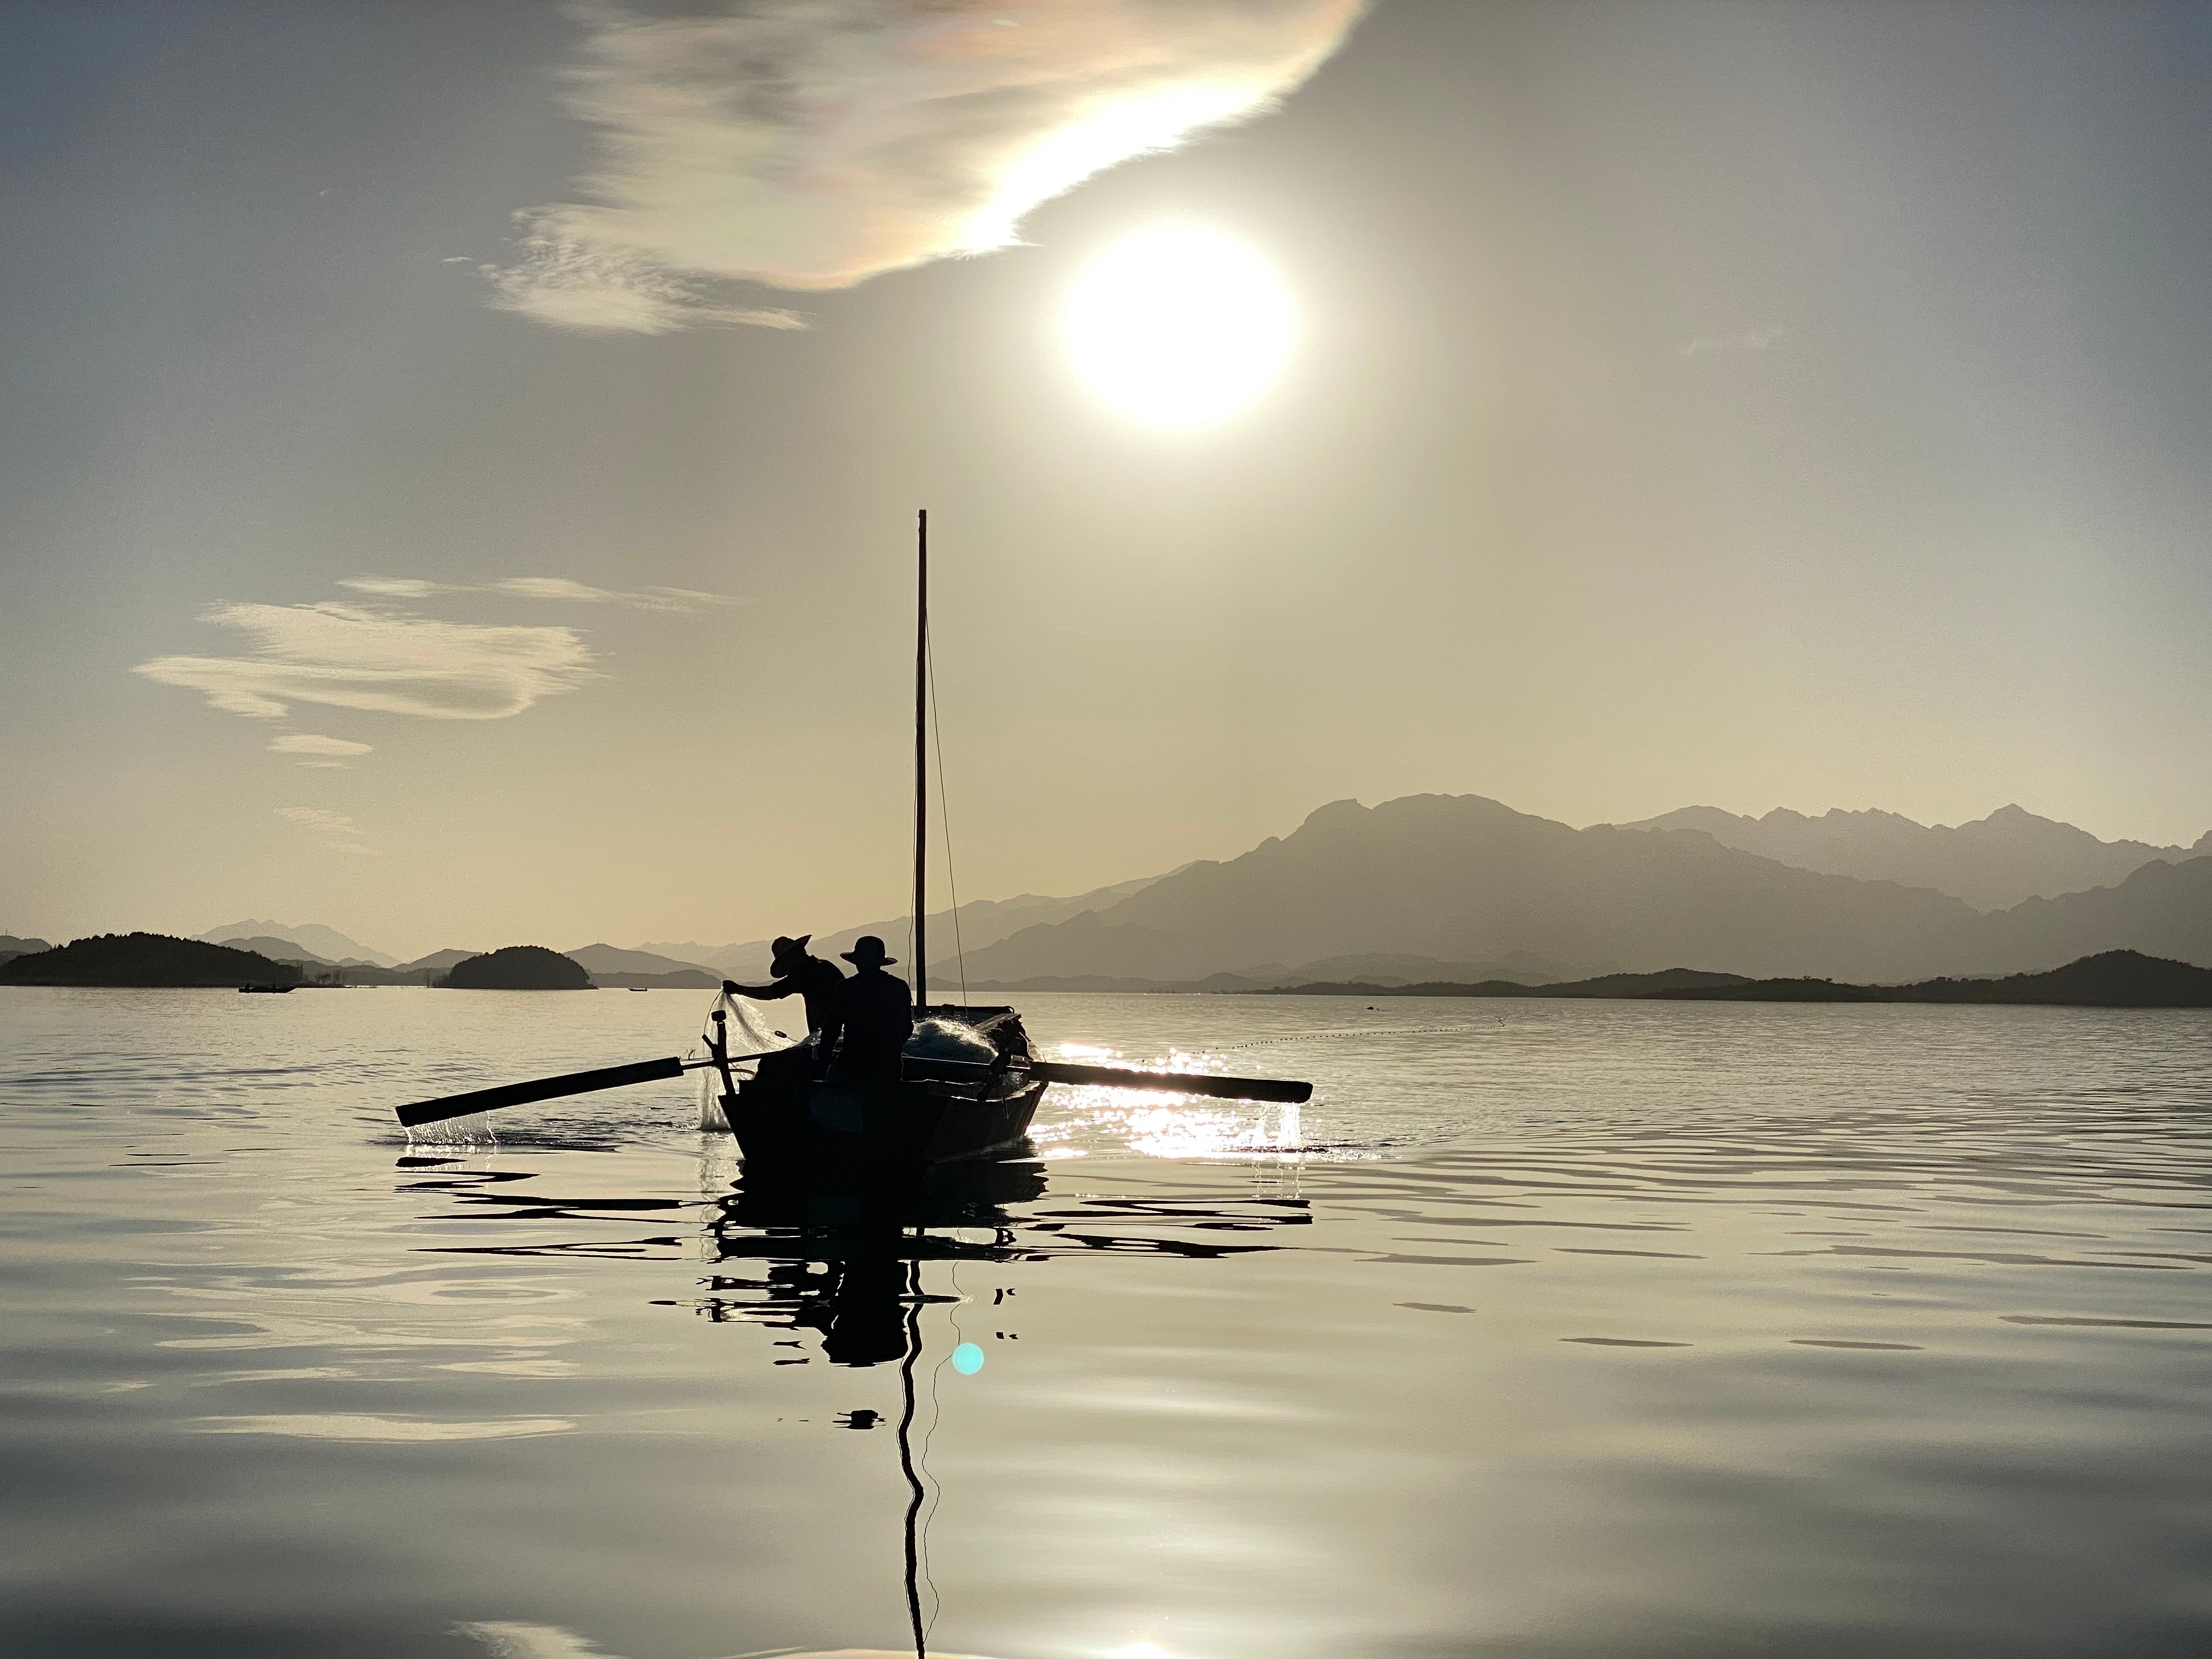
649,1071
550,1088
1179,1082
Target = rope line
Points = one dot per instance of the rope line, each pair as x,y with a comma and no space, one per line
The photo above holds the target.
937,1486
945,819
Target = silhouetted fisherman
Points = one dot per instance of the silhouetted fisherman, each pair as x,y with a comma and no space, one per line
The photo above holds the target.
879,1015
821,983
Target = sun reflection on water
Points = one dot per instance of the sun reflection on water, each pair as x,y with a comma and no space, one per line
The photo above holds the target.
1160,1125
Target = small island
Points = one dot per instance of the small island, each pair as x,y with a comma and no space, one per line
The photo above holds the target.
518,968
145,959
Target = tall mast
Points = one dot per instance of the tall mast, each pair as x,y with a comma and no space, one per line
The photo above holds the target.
918,974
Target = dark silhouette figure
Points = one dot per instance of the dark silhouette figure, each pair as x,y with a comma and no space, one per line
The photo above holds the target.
879,1015
798,974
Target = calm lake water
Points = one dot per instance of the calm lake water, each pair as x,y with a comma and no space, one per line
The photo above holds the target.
1547,1329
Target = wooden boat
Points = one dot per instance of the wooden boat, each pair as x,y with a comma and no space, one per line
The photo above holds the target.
272,990
938,1110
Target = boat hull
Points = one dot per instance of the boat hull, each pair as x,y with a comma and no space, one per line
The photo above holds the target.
939,1110
780,1122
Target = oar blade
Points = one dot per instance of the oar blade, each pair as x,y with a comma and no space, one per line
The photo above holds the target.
1181,1083
544,1088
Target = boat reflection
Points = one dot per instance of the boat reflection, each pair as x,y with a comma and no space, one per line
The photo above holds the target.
828,1254
845,1260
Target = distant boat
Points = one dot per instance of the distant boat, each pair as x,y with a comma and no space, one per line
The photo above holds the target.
273,990
639,987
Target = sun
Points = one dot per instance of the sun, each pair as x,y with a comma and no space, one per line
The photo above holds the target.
1178,326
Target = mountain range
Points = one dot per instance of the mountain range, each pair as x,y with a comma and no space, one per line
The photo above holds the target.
1992,863
982,922
1463,877
1462,888
319,944
282,942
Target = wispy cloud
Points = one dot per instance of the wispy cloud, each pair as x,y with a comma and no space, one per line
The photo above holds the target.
328,752
316,818
807,144
508,1640
1756,338
339,832
351,656
539,587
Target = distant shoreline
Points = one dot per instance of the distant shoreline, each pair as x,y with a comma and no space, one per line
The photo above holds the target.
2114,979
2111,979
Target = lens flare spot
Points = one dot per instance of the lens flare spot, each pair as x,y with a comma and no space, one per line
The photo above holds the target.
967,1359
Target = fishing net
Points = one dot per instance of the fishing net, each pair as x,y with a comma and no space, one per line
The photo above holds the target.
949,1039
746,1030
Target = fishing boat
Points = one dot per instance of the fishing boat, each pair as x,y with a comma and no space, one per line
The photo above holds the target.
969,1081
939,1109
969,1084
272,990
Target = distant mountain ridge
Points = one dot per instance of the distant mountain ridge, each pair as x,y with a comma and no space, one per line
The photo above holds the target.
600,960
323,944
12,947
277,949
1992,863
1464,877
1524,907
982,922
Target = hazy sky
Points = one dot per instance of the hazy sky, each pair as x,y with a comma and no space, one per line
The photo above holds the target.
1748,404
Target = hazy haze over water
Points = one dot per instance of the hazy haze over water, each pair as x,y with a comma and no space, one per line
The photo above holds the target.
1590,1328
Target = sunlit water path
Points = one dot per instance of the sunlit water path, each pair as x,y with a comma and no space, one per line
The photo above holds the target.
1545,1329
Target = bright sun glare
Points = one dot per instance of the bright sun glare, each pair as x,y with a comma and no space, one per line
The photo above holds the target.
1178,326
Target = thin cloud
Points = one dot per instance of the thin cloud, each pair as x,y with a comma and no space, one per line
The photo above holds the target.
809,144
1756,338
508,1640
351,656
308,743
539,587
318,817
321,821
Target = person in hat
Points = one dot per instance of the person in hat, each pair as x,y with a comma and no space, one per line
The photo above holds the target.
879,1015
797,973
